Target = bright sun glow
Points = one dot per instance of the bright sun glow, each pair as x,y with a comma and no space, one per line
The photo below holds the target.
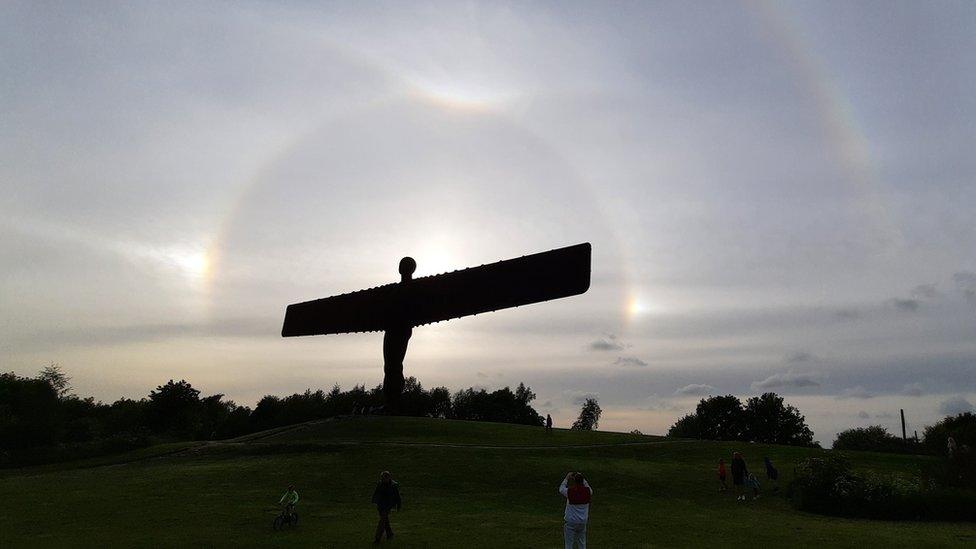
439,255
464,96
193,264
635,307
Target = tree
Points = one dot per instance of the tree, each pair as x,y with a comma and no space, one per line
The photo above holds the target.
686,427
175,408
767,419
57,379
962,429
764,418
28,412
874,438
720,418
589,416
524,395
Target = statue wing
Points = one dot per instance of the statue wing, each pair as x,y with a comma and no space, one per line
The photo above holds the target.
511,283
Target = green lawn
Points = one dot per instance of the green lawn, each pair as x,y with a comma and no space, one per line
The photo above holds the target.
661,493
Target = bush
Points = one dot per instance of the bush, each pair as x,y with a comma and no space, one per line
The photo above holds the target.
962,428
875,439
827,486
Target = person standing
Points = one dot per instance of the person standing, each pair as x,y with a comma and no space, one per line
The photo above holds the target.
739,473
577,492
548,424
771,473
721,475
386,497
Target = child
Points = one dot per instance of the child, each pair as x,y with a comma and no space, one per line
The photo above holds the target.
772,474
289,499
386,496
721,475
753,482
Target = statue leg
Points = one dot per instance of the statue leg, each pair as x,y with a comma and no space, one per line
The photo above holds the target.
394,349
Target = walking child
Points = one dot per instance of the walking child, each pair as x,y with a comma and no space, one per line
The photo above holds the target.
386,497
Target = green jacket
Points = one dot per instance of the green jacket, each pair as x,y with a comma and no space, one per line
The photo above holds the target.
290,497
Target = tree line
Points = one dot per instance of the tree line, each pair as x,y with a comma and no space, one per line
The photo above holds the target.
766,418
41,420
876,438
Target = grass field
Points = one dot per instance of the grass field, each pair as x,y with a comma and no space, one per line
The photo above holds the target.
463,484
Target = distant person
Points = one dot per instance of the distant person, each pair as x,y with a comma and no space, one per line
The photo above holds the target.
721,475
771,473
753,483
950,446
577,492
548,424
739,473
289,499
386,496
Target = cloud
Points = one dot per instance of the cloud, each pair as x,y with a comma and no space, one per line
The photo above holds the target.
655,403
788,379
608,342
912,389
800,356
629,361
955,405
482,374
925,291
863,415
848,314
966,283
905,305
855,392
579,397
696,389
884,415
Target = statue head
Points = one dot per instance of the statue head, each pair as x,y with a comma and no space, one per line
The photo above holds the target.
407,267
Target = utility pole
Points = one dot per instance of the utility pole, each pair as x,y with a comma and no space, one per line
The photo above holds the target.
903,436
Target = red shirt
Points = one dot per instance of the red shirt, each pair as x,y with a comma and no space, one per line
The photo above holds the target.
578,495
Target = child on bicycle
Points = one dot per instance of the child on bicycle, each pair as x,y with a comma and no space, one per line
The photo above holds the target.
289,499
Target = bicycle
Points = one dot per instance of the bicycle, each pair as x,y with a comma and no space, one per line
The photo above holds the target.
287,517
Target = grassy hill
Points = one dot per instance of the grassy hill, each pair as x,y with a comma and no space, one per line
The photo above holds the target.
464,485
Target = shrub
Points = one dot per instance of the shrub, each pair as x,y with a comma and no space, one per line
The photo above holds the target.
827,485
874,438
962,428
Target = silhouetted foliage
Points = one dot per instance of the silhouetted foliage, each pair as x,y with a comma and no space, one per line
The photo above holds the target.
874,438
589,416
57,379
40,422
175,409
767,419
686,427
28,412
962,428
502,406
721,418
827,485
764,418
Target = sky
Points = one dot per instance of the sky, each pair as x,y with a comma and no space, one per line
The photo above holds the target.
779,196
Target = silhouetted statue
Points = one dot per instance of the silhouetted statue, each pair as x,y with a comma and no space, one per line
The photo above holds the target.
397,308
